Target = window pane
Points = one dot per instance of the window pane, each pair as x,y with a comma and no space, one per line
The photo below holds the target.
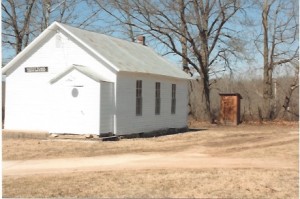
138,97
173,101
157,98
138,106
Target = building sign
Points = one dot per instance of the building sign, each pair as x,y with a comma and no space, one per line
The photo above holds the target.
41,69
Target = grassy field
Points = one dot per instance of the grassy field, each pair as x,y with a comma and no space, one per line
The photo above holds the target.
271,141
187,183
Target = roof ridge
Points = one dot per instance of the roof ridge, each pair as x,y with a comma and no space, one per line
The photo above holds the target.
124,55
102,34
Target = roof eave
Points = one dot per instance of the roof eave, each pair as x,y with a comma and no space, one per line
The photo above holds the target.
156,74
52,27
66,71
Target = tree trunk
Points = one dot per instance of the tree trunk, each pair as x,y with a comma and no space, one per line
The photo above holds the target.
268,108
183,37
206,91
184,54
294,85
205,69
268,69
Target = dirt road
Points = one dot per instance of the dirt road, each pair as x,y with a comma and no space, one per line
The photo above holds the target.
137,162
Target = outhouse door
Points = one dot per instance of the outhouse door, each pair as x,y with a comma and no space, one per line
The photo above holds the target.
230,108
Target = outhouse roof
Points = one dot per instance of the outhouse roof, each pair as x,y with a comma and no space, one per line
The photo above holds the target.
231,94
119,54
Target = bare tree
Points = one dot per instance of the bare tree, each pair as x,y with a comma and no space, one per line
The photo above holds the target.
121,21
48,6
23,20
194,30
280,44
16,20
293,86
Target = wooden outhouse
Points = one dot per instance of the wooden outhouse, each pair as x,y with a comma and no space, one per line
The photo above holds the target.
230,108
74,81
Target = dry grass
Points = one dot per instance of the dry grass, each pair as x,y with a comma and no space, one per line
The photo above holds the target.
278,142
16,149
202,183
241,141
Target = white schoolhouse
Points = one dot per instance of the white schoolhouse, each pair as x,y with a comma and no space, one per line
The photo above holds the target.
75,81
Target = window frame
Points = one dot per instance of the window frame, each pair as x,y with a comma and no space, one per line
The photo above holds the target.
139,98
157,97
173,99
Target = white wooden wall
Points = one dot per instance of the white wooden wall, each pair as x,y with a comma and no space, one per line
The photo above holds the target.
128,122
107,107
27,103
28,96
75,105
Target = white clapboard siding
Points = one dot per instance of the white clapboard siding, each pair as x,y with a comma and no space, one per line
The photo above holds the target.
28,96
107,107
26,105
128,122
75,105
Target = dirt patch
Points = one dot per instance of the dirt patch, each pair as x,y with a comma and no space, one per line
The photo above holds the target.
138,162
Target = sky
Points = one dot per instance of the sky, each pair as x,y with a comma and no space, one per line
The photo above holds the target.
241,66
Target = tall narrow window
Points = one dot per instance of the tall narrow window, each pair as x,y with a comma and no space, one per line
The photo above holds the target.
138,97
157,98
173,102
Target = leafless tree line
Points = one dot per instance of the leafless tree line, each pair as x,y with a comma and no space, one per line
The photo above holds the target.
209,36
285,105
